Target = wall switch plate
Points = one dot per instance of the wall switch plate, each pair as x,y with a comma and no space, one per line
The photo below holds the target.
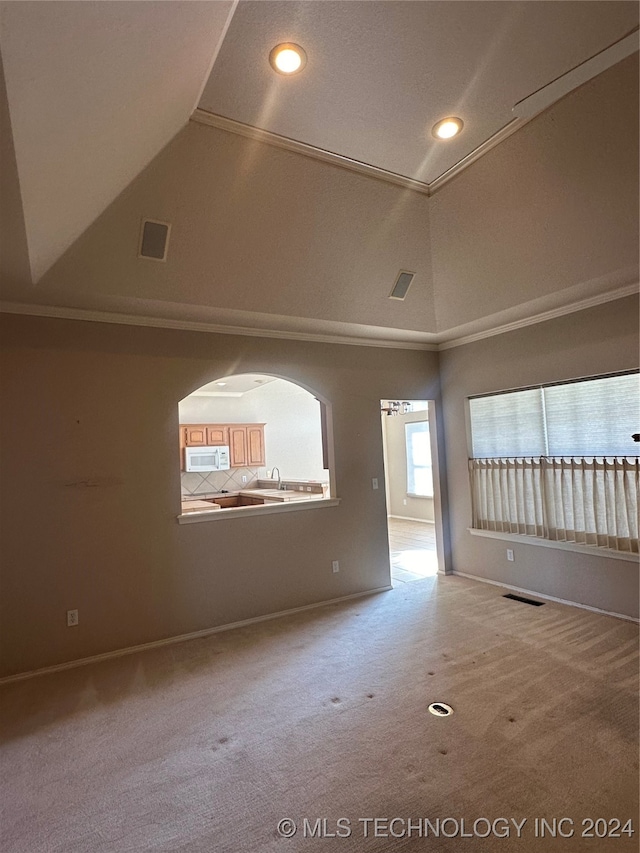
335,565
404,501
244,478
374,482
510,556
72,618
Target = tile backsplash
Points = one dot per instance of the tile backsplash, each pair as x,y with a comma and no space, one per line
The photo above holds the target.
194,483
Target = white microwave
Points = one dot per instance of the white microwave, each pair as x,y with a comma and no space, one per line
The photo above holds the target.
206,458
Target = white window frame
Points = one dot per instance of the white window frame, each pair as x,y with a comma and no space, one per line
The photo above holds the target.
411,465
502,510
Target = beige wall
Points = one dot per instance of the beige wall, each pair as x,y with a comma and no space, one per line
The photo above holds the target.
595,341
401,504
91,488
15,270
258,229
552,208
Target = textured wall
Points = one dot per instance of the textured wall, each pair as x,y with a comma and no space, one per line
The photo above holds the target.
90,487
595,341
259,229
553,208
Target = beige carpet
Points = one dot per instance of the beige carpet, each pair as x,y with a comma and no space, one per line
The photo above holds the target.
207,745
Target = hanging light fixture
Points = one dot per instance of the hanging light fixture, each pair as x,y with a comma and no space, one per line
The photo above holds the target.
395,407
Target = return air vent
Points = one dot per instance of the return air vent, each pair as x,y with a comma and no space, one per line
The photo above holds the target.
154,240
402,285
524,600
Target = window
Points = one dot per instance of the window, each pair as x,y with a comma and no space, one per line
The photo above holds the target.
419,473
558,461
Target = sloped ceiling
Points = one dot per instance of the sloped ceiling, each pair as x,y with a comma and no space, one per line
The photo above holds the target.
96,135
95,91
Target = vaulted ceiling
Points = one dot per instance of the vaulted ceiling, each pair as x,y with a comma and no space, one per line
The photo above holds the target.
96,90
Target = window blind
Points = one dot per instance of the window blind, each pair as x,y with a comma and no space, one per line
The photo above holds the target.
559,462
591,417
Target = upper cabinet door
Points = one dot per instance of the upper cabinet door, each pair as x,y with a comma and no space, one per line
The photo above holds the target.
238,447
255,445
217,434
196,436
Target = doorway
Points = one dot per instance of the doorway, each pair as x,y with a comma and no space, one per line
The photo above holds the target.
411,489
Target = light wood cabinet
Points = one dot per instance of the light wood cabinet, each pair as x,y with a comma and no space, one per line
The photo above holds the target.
217,434
255,445
245,441
195,436
238,446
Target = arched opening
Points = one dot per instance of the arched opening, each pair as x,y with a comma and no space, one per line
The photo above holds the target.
252,439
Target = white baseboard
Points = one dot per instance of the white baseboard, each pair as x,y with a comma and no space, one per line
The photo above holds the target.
194,635
546,597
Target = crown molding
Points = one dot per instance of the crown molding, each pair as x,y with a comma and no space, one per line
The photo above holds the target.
86,315
358,166
543,98
543,316
239,128
523,112
438,343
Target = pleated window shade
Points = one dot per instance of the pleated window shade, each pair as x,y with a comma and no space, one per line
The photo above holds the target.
558,462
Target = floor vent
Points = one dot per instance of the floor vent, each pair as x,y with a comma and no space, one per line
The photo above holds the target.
440,709
523,600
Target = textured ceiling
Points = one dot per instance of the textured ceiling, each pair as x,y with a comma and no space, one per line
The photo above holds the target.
95,91
380,74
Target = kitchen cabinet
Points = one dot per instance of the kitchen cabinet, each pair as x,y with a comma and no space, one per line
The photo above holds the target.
245,441
237,500
203,435
195,436
246,445
226,503
238,446
255,445
217,434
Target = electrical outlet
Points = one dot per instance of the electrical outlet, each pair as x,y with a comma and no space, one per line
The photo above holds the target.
335,565
374,482
404,501
72,618
510,556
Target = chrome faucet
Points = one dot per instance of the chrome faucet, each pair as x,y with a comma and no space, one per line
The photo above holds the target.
279,476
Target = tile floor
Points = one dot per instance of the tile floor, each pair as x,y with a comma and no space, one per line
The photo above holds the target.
412,546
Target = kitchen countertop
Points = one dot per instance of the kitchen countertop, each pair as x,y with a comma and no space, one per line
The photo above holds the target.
202,501
268,494
198,506
280,494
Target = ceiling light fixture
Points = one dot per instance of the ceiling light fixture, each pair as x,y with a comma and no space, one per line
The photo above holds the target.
447,128
221,384
287,58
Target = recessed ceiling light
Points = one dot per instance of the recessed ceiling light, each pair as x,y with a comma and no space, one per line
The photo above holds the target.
287,58
221,383
447,127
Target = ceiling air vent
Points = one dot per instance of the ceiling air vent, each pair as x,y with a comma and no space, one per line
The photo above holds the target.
154,240
402,285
